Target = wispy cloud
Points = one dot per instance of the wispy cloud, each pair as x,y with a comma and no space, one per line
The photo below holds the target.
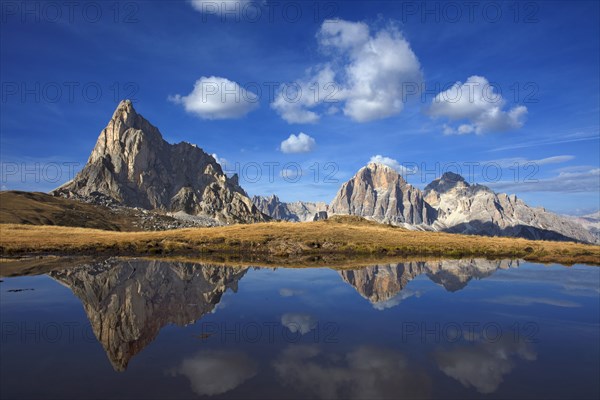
579,181
570,138
507,162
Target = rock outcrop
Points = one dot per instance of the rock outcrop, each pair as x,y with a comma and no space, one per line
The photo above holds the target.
298,211
380,193
133,165
128,301
477,209
320,216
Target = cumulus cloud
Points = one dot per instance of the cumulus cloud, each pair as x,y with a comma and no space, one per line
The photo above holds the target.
483,365
294,101
222,162
366,372
297,322
480,107
367,75
216,372
217,98
390,162
301,143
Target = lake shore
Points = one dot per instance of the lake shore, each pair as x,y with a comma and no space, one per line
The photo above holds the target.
334,238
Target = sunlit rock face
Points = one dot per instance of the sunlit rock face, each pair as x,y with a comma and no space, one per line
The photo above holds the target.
134,166
378,192
477,209
128,302
382,283
451,204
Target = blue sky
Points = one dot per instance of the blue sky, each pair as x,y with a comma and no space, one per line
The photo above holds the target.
536,64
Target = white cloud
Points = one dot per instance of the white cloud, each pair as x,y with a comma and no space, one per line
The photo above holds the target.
366,372
222,162
477,102
296,322
302,143
294,101
220,7
484,364
368,74
216,372
217,98
390,162
343,35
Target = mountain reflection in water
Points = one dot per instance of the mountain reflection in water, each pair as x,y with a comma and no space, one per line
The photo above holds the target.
129,301
433,329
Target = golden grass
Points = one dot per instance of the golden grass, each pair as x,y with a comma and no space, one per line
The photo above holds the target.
285,240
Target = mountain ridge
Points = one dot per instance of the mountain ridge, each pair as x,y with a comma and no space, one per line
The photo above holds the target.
297,211
133,165
459,207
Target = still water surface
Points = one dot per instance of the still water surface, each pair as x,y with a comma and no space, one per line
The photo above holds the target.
445,329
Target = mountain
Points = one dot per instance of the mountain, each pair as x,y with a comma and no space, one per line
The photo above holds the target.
133,165
590,221
477,209
129,301
450,204
380,193
299,211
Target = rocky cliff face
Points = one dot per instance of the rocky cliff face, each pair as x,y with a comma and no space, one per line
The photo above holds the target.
476,209
299,211
379,193
133,165
128,302
451,204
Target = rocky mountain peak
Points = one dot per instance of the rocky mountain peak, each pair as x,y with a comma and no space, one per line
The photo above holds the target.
448,181
132,164
380,175
379,192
